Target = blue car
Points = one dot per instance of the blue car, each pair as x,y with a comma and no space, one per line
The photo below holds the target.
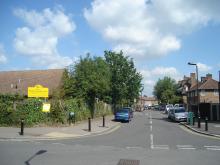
123,114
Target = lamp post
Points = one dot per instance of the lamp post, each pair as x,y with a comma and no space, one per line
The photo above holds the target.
197,87
219,91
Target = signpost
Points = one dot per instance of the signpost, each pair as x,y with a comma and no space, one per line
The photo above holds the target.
40,91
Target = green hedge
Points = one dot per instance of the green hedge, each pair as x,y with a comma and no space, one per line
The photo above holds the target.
13,109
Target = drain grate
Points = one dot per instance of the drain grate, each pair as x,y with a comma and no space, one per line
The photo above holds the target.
128,162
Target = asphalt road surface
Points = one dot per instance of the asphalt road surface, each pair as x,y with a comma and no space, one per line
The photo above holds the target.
149,138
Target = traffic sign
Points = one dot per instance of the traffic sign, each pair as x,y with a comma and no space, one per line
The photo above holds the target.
46,107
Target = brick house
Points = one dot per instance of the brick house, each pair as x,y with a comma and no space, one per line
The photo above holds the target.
147,101
12,82
207,99
185,85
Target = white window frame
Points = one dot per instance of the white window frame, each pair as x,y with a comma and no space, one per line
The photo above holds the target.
202,93
215,92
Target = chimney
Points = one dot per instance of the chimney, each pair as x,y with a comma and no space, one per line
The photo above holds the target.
209,76
193,79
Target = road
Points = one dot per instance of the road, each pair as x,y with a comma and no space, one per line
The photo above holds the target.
149,138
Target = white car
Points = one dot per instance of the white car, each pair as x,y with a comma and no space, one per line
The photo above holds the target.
168,107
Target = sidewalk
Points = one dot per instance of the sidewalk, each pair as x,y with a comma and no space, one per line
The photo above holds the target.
52,133
213,128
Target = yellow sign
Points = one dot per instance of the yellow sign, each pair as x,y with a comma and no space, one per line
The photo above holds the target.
38,91
46,107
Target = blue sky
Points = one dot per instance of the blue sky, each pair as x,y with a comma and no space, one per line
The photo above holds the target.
161,36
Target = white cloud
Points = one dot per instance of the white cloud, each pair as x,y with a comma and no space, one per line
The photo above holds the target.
39,38
149,30
3,58
151,76
203,67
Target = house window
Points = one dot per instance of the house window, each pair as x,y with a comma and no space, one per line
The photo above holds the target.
216,92
202,93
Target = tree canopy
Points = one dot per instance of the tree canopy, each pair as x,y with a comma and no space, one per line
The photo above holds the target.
112,79
166,90
125,80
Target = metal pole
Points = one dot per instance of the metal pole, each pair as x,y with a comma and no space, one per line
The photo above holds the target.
219,94
197,74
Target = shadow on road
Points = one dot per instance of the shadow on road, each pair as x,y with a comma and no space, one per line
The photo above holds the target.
163,118
27,162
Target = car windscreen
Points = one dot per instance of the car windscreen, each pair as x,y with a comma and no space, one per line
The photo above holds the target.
123,111
180,110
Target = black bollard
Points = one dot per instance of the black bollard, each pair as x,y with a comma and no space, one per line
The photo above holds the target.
103,121
194,120
69,119
89,124
74,119
206,124
22,127
199,122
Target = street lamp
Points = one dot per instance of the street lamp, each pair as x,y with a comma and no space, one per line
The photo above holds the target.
197,87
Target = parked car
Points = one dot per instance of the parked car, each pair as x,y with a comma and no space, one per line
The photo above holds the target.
156,107
162,107
124,114
178,105
168,107
178,114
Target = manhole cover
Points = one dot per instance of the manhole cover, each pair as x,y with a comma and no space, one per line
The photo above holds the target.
128,162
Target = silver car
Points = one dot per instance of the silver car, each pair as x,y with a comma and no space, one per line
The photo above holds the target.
178,114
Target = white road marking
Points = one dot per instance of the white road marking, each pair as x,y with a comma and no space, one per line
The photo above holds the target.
151,141
214,148
150,121
182,146
134,147
151,128
59,144
163,147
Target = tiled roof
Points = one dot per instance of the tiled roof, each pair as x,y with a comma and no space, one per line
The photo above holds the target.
19,81
208,84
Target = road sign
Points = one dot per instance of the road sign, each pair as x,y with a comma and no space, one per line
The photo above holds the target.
46,107
38,91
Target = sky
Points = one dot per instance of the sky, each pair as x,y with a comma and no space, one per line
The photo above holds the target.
160,36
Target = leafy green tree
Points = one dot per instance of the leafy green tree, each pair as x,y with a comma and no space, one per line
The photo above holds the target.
125,80
90,80
166,90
